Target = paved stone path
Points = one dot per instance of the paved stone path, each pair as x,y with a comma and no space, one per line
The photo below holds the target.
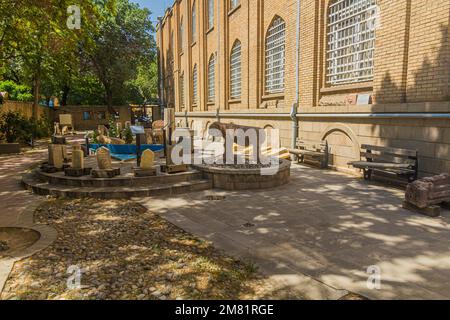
13,197
322,232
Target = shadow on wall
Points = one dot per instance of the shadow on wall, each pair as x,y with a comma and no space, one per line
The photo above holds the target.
430,82
435,71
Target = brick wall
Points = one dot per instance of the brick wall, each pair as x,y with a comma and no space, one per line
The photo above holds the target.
411,75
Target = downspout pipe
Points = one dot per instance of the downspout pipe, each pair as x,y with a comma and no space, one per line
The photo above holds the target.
294,109
218,61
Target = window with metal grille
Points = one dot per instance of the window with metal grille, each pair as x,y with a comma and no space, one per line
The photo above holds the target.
211,78
210,14
234,3
181,34
194,23
235,71
275,56
182,89
194,86
351,41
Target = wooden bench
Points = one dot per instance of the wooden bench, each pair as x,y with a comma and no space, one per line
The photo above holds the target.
309,151
400,163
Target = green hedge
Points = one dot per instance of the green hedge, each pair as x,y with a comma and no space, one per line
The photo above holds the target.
17,92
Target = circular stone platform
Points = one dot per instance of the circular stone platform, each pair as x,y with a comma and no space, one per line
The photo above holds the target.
124,186
239,177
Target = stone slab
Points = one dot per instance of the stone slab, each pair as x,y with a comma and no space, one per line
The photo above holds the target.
75,172
174,168
9,148
105,173
431,211
139,172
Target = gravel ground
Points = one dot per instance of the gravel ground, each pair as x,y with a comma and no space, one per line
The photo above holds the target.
125,252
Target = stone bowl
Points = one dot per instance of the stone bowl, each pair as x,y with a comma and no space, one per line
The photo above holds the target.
246,177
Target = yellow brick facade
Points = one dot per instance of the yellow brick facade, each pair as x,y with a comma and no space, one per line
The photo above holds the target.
409,103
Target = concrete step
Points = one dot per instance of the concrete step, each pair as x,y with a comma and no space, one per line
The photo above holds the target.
37,186
128,180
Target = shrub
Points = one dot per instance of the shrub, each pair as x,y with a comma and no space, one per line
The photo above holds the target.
16,128
17,92
127,135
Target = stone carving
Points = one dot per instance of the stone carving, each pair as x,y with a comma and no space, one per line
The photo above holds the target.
102,139
77,157
57,129
147,159
104,159
56,155
117,141
425,194
223,127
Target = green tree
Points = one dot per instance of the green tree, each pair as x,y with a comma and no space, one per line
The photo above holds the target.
145,85
124,41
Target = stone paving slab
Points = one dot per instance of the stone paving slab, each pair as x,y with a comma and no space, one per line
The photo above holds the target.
326,227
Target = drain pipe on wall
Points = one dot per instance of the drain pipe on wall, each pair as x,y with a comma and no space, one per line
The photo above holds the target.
218,61
294,109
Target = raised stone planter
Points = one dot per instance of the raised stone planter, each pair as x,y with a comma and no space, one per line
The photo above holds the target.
9,148
233,178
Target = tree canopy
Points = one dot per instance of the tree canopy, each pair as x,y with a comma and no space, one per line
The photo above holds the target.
109,59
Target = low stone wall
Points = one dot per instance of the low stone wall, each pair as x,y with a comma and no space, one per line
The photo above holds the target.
24,108
89,117
246,179
9,148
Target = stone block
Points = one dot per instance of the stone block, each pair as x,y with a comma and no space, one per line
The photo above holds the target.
59,140
9,148
77,172
174,168
140,172
105,173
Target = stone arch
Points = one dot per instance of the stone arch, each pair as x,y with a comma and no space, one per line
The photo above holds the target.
343,143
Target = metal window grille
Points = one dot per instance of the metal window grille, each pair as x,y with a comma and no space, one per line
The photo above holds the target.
210,14
351,41
275,56
194,23
182,89
234,3
235,71
181,34
194,86
211,79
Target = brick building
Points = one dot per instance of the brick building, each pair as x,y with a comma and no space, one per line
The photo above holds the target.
351,71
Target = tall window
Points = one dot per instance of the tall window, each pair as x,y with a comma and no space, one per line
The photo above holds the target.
351,41
195,85
275,56
211,78
235,71
182,89
194,23
210,14
181,34
234,3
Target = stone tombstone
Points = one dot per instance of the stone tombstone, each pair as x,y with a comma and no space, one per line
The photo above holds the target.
77,157
104,159
147,159
56,155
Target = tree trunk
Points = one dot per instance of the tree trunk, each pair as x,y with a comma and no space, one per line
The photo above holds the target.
65,94
109,102
36,88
